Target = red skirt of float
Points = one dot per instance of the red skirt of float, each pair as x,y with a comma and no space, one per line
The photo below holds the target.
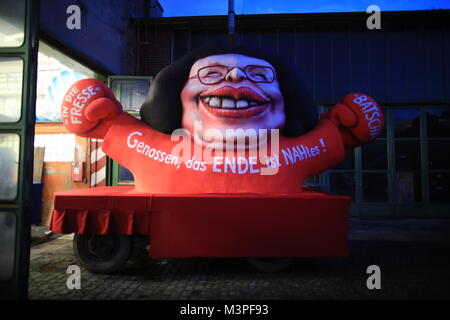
308,224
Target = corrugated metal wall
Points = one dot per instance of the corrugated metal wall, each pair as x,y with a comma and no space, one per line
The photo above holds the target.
406,65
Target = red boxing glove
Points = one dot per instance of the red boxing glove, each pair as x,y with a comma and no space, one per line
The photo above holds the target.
89,108
359,119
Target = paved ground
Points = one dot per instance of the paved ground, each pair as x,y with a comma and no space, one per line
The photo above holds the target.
414,257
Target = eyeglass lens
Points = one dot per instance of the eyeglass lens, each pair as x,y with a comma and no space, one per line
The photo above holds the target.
215,74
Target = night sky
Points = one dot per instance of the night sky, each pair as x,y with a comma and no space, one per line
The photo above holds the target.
173,8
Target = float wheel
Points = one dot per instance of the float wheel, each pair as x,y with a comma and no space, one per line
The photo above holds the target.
102,253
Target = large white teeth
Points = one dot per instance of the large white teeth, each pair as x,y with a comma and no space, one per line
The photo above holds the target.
242,104
228,103
215,102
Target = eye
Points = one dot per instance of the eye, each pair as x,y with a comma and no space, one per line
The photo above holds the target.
259,73
259,76
212,74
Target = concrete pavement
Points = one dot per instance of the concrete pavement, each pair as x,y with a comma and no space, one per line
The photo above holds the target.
413,255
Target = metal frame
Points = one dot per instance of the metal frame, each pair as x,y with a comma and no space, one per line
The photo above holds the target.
425,208
17,286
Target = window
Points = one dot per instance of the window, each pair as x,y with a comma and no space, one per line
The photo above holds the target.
58,147
56,73
407,133
10,89
7,244
9,165
131,92
438,131
12,23
375,187
343,183
408,165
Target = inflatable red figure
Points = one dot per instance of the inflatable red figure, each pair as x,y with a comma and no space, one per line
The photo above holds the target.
227,122
223,92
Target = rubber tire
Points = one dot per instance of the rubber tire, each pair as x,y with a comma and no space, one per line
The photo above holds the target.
111,264
270,264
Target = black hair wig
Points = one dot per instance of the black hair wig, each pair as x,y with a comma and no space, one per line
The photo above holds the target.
163,111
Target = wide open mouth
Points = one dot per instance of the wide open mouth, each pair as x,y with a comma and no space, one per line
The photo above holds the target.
242,102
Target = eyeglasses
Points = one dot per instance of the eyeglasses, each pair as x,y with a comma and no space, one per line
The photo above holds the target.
217,73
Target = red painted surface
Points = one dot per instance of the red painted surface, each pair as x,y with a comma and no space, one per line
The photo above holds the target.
211,225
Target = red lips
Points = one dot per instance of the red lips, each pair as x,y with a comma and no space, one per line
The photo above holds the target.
241,93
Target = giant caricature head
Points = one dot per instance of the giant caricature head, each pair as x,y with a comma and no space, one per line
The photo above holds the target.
228,88
231,91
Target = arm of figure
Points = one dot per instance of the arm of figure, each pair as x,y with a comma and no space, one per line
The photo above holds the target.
356,121
359,119
136,146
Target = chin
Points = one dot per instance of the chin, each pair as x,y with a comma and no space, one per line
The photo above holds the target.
238,141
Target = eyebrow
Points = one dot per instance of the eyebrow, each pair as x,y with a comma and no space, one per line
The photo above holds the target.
215,62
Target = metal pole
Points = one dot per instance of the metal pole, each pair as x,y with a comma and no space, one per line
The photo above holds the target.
231,15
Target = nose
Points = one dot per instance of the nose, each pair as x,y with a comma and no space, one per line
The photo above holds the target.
236,75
